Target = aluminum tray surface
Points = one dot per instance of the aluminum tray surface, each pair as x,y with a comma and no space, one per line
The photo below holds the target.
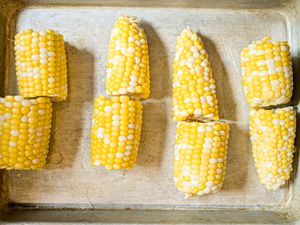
70,180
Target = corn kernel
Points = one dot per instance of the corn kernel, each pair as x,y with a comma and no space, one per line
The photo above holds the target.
41,64
195,164
116,132
267,74
194,89
128,60
272,137
25,127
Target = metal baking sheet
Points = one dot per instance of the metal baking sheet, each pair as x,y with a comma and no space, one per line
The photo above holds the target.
69,181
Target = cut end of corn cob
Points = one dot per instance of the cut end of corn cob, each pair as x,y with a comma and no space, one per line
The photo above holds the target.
41,64
272,136
200,157
25,127
116,132
267,73
128,60
194,89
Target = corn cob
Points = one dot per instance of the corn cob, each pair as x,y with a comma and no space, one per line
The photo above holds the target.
41,64
267,73
200,157
128,60
272,136
116,132
24,132
194,89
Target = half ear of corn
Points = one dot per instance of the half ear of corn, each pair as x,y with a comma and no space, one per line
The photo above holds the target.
272,136
200,157
41,64
128,60
267,73
194,89
116,132
25,127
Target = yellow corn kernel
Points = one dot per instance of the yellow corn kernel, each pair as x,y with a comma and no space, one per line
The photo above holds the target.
128,60
116,132
272,137
267,74
200,157
41,64
194,89
25,127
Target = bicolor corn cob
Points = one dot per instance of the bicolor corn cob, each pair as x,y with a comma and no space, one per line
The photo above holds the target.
200,157
25,127
194,89
128,60
41,64
267,73
116,132
272,136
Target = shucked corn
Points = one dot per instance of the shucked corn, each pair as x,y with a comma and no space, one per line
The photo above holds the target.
24,132
200,157
128,60
194,89
272,136
267,73
41,64
116,132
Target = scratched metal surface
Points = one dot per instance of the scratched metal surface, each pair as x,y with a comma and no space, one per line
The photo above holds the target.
69,180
